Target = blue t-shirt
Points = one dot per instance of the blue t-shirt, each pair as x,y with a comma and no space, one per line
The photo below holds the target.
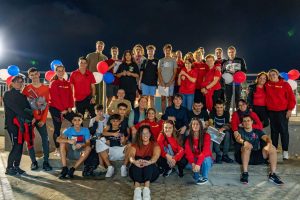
81,137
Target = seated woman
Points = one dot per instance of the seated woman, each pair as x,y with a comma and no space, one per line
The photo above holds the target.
237,117
198,152
172,153
151,120
143,156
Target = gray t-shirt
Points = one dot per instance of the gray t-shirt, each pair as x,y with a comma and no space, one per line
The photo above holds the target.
167,66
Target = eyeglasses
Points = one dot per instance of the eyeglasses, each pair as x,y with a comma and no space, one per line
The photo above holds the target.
241,105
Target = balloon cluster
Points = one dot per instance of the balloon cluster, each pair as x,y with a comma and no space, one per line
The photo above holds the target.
291,77
237,77
50,74
102,74
8,74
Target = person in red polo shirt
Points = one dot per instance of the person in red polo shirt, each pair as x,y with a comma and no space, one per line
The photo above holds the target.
187,81
180,66
152,121
281,101
202,69
211,86
83,83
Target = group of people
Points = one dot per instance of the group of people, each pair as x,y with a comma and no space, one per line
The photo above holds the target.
193,97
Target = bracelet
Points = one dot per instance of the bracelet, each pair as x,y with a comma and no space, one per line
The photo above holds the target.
244,142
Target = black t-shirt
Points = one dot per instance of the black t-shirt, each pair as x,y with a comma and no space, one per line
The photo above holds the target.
203,116
149,69
128,83
254,137
219,121
116,141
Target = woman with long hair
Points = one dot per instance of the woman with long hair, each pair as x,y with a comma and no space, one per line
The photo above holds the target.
152,121
172,153
128,72
143,156
198,152
61,102
257,98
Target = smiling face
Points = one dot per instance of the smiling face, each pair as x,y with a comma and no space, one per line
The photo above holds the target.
247,122
77,122
18,84
231,53
99,47
262,79
82,63
242,106
143,103
195,126
128,57
146,135
34,76
60,71
168,129
273,76
151,115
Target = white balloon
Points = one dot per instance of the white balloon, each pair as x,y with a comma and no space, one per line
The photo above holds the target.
98,77
293,84
65,76
4,74
227,77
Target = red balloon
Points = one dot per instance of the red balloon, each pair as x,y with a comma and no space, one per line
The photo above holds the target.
102,67
239,77
294,74
9,80
49,75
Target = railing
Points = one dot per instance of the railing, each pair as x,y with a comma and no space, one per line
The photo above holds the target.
296,111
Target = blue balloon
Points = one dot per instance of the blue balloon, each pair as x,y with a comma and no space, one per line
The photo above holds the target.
284,75
55,63
108,78
13,70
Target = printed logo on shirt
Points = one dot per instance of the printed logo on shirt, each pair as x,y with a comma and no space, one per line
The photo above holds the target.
154,63
232,67
131,68
78,138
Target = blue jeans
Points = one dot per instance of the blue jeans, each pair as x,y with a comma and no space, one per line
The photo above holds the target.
205,167
45,144
188,100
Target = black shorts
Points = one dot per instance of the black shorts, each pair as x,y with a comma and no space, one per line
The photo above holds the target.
256,157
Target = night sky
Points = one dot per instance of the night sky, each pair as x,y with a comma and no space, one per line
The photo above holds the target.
266,33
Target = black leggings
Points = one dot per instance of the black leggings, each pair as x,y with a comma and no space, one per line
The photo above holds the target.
261,112
141,175
57,122
15,155
163,164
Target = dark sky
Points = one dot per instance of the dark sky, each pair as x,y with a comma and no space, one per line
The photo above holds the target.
266,33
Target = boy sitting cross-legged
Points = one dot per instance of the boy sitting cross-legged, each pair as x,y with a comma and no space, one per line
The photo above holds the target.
74,143
112,146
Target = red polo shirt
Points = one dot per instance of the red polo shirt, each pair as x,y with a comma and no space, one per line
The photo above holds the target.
82,84
180,66
201,68
188,87
209,77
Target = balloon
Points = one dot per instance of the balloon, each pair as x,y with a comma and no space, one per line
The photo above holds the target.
284,75
49,75
98,77
54,63
13,70
65,76
9,80
108,78
228,78
293,84
239,77
102,67
4,74
294,74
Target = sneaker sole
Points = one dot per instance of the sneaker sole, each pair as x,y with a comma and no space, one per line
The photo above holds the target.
245,183
202,183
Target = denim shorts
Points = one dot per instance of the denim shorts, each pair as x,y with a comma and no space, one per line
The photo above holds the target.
148,90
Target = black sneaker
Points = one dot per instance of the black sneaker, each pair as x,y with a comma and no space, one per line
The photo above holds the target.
244,178
34,166
275,179
167,173
71,172
63,173
19,170
11,171
218,159
227,159
202,181
46,166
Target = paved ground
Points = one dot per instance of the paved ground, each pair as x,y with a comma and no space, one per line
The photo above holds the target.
223,184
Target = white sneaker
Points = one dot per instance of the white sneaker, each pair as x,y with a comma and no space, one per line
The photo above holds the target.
146,193
110,171
123,171
137,194
285,155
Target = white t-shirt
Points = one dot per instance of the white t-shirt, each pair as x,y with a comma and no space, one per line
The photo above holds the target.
101,124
